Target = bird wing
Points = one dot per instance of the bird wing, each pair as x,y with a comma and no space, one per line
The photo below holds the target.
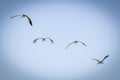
96,60
30,21
105,57
69,45
35,40
83,43
14,16
50,39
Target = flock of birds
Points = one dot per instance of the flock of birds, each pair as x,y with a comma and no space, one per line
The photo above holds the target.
47,38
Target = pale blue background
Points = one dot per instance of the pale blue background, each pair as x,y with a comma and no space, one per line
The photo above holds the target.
16,54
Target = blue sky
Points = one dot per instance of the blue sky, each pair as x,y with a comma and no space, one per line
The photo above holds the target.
94,22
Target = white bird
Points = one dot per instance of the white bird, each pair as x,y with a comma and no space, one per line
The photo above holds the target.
22,16
43,39
75,42
101,61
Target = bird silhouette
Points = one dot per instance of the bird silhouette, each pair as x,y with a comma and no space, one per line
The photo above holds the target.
75,42
101,61
43,39
22,16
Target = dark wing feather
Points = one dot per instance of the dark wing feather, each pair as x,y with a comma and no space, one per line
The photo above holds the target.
35,40
30,21
50,39
69,45
96,60
83,43
105,57
14,16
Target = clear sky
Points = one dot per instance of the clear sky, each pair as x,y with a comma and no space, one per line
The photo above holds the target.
95,23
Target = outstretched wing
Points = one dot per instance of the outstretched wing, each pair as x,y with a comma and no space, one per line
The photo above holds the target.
83,43
96,60
105,57
35,40
50,39
14,16
69,45
23,15
30,21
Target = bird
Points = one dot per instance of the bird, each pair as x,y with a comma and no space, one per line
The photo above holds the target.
43,39
75,42
101,61
22,16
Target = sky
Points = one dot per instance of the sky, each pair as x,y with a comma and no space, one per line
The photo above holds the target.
95,23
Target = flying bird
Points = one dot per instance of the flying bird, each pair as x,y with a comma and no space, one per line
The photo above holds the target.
101,61
75,42
43,39
22,16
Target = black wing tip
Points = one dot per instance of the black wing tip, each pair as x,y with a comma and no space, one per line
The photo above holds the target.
31,24
11,17
106,56
52,41
34,41
85,45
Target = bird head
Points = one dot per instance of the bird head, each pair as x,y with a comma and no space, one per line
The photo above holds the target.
23,15
43,39
76,41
